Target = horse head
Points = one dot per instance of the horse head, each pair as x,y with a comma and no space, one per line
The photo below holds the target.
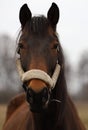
41,59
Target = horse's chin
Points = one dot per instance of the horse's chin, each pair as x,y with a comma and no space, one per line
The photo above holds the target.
38,109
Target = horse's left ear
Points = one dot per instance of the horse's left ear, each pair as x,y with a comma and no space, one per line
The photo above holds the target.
24,15
53,15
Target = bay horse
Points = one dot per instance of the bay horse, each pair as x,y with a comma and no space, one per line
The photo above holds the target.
45,104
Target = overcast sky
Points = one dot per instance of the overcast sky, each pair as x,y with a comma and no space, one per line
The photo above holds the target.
72,26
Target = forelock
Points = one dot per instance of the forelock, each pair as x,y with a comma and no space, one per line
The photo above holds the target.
38,25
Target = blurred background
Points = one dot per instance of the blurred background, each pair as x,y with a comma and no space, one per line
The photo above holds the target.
73,34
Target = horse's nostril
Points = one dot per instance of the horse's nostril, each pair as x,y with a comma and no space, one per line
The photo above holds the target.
44,99
45,90
45,95
30,96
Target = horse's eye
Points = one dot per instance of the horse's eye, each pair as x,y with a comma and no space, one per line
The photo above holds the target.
56,46
20,45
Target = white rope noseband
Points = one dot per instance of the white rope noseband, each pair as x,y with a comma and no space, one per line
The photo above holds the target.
39,74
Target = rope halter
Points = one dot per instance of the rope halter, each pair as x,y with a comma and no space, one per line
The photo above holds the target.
39,74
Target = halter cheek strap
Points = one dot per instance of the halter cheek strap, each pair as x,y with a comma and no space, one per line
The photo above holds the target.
39,74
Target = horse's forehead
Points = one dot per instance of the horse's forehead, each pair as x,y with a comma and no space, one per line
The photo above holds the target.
37,40
38,43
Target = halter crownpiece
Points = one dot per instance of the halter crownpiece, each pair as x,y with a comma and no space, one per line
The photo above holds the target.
38,74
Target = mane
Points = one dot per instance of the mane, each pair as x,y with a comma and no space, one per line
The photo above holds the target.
38,25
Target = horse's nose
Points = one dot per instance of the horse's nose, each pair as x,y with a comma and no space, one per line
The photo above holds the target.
41,97
38,100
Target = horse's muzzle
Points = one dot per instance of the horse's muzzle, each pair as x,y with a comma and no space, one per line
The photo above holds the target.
38,101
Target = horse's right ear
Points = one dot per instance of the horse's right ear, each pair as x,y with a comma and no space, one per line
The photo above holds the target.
53,15
24,15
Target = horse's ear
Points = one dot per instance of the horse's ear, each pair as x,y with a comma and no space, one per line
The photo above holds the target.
24,15
53,15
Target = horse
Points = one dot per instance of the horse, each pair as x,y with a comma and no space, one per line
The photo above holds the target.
45,103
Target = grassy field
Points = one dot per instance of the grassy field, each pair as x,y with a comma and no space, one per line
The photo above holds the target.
2,115
82,110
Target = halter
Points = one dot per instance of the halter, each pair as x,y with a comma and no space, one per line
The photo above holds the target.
38,74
